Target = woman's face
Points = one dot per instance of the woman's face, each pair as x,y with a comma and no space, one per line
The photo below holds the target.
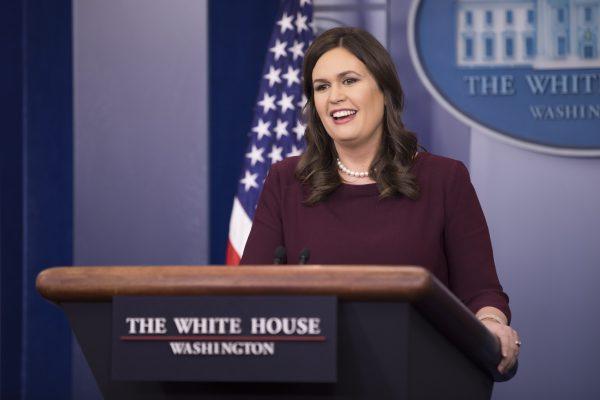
348,100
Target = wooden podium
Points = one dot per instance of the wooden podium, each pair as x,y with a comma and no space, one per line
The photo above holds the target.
401,333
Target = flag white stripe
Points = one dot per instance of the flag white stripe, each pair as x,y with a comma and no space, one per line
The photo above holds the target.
239,227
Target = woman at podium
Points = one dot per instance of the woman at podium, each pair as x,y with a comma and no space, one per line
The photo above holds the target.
363,193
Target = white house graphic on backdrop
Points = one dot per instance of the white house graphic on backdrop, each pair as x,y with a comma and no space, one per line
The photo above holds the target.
542,34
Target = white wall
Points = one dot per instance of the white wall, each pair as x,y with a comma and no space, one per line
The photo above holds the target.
141,137
544,217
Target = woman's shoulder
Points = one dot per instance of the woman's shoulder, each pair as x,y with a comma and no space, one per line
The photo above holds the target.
428,168
287,164
285,170
438,169
434,161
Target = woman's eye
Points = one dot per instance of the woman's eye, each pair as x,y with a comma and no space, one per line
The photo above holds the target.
320,88
350,81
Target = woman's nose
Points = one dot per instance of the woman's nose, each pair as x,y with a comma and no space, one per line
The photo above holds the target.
336,94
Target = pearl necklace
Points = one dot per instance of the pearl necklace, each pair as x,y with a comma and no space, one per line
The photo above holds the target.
348,171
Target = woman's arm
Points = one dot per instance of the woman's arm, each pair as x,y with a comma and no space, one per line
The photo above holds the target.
471,266
267,227
471,270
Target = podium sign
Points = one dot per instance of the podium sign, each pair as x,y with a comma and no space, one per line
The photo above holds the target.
224,339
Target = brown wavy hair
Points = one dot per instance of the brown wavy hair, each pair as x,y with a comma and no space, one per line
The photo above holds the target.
317,167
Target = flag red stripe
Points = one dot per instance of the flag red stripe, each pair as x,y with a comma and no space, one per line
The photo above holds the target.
232,257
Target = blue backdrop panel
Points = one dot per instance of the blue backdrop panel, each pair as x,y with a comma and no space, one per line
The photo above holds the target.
11,231
49,208
36,199
239,34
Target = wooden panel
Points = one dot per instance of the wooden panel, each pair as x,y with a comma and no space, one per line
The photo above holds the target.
347,282
410,284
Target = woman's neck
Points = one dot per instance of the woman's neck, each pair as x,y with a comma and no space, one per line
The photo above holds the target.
357,160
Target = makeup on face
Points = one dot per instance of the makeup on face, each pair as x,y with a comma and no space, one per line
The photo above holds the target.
347,98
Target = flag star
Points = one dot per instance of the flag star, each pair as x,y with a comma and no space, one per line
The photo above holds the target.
302,102
286,22
267,103
273,76
299,130
281,129
275,154
291,76
286,102
301,23
313,27
303,2
279,49
294,152
255,155
262,128
296,49
249,181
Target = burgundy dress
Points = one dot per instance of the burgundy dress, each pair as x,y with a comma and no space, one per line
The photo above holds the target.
444,230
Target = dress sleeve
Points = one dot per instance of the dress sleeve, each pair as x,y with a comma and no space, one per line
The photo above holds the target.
472,272
267,232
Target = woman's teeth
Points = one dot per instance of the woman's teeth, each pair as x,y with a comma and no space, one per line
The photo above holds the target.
343,113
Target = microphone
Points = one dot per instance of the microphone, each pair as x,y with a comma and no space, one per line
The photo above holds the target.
304,256
280,256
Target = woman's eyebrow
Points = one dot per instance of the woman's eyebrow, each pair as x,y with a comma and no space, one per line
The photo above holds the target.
340,75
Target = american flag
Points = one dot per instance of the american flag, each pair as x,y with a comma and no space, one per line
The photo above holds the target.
277,129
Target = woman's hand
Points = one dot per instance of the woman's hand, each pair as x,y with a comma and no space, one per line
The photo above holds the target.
509,343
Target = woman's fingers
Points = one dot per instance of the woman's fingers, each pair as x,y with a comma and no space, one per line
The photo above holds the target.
508,339
509,347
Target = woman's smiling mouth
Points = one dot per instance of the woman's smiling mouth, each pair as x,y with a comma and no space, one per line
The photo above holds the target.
343,116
